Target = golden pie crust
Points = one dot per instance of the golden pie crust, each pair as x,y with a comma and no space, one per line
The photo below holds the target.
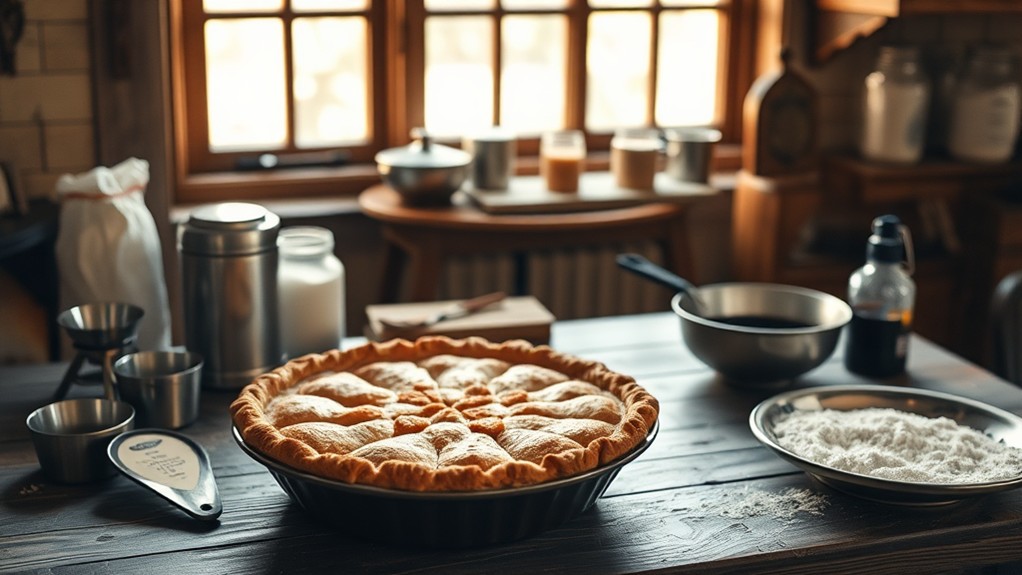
440,414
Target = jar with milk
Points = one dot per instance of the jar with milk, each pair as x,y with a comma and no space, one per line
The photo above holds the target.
311,283
896,100
986,108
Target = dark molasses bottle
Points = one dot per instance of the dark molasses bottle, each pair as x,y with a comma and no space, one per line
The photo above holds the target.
882,295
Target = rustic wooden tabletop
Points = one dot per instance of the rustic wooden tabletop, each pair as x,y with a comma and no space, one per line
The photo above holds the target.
686,505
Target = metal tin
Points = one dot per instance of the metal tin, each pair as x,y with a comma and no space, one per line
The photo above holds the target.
229,266
460,519
493,159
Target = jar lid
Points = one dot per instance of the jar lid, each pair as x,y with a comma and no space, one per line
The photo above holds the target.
305,242
423,153
229,228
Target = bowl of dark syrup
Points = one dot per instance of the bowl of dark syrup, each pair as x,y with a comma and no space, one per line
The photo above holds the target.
757,334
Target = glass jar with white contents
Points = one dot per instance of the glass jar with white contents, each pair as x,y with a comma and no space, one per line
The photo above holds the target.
986,107
311,284
896,103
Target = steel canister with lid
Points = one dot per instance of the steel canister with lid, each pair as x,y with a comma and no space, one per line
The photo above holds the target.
229,264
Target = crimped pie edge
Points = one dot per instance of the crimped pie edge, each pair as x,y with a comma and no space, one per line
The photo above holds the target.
248,415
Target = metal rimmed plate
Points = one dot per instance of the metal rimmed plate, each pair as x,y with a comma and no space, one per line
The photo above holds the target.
444,519
995,423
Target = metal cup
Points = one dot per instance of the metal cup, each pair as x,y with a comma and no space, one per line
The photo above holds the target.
689,151
71,437
164,386
493,159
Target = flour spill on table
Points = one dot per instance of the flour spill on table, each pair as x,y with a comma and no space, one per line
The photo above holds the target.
892,444
751,502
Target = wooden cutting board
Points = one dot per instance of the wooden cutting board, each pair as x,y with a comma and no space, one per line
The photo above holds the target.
596,191
522,317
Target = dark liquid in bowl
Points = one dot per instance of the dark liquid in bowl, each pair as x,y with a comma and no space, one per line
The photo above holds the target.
761,321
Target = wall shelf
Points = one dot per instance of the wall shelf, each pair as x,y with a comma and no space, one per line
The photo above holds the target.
837,24
814,235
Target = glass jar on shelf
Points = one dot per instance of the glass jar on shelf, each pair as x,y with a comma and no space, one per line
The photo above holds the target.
986,107
311,284
896,103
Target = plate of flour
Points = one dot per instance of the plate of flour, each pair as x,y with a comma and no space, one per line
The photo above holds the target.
894,445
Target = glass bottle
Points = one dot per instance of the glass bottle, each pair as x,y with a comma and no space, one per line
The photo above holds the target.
896,101
882,295
311,280
986,108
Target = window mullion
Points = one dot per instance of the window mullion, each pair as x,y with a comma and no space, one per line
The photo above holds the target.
413,97
498,24
654,61
289,75
578,18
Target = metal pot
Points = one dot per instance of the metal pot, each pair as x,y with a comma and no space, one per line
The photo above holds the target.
424,172
753,334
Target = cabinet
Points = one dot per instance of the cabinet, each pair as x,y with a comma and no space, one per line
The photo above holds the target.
837,24
812,232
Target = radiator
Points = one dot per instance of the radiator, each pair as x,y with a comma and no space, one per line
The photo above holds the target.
575,283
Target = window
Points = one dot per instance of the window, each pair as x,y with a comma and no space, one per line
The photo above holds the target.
306,79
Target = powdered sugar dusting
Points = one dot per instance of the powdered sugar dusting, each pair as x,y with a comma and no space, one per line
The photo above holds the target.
892,444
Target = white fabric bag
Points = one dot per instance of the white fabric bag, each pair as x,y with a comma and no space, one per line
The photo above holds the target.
108,248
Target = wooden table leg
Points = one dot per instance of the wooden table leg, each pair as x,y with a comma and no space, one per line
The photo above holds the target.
678,249
393,266
425,264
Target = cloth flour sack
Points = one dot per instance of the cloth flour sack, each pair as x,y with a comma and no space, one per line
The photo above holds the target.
108,249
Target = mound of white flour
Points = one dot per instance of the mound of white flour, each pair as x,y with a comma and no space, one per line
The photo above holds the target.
896,445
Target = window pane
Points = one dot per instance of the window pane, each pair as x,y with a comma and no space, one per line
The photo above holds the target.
242,5
697,3
460,4
618,69
330,81
324,5
245,86
459,74
683,33
619,3
534,4
532,90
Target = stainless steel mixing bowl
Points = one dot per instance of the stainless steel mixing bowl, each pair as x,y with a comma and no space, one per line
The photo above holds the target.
758,334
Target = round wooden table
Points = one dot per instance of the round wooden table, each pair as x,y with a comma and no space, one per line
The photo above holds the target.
424,237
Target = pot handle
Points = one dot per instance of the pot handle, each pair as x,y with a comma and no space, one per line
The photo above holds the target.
643,267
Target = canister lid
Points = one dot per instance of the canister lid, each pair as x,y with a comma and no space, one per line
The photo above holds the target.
229,228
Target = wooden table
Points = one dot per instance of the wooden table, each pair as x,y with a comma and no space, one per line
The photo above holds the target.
660,514
424,237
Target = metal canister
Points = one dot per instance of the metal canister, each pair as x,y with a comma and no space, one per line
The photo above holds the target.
493,158
229,272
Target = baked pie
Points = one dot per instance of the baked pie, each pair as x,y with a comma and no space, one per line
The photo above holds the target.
440,414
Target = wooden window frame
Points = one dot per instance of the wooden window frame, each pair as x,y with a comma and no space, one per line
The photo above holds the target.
396,62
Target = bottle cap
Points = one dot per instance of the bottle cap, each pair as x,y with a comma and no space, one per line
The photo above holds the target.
886,245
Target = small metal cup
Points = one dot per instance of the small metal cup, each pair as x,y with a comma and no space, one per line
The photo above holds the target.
689,153
164,386
493,158
71,437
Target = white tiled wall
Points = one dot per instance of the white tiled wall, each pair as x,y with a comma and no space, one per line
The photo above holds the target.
46,111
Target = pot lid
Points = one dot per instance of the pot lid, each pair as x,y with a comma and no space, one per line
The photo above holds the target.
423,153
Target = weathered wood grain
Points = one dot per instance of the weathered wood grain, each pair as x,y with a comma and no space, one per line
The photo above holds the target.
673,510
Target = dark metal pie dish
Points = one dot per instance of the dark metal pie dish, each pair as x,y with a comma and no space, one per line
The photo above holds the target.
445,519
